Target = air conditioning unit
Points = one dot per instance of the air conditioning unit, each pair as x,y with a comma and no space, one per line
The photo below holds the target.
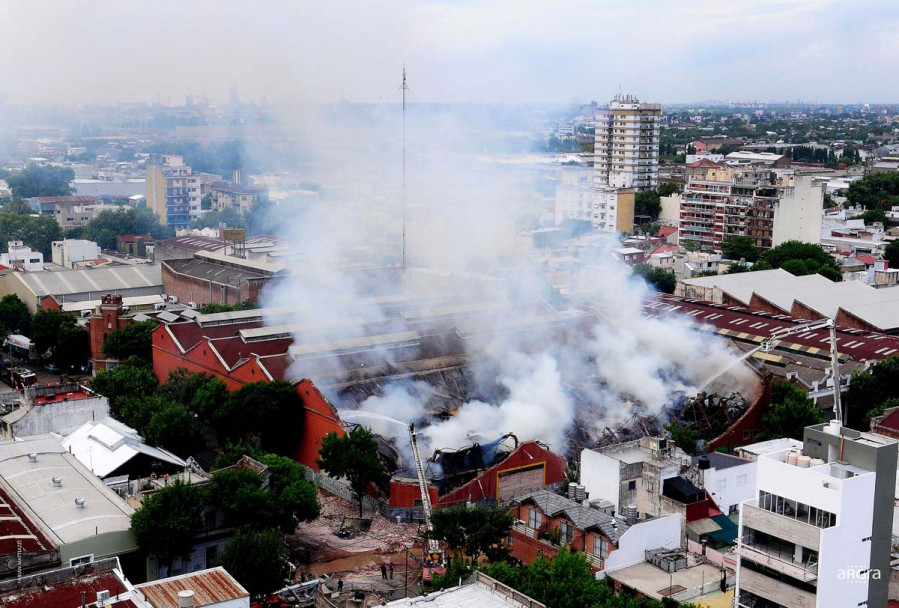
126,309
102,596
192,305
86,313
159,306
173,299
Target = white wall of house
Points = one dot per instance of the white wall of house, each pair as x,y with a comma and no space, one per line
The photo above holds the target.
729,487
600,476
662,532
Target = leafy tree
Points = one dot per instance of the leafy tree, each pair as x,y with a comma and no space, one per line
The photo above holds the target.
869,390
475,529
14,315
213,307
73,347
668,188
272,411
207,398
131,220
790,411
684,437
46,329
458,570
872,215
659,278
741,247
206,202
230,217
35,180
257,560
737,268
127,380
173,427
135,340
165,522
890,254
875,191
38,232
233,452
800,259
354,456
646,202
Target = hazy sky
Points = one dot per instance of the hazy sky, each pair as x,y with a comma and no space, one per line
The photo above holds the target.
465,50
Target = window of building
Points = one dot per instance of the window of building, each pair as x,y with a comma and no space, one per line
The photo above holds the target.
567,531
600,546
632,485
650,486
535,518
84,559
747,434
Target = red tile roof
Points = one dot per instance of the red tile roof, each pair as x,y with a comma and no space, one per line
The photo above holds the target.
666,231
704,162
664,249
868,260
66,594
891,421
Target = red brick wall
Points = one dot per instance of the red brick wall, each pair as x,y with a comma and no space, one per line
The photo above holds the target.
99,327
485,486
407,494
319,419
750,421
758,303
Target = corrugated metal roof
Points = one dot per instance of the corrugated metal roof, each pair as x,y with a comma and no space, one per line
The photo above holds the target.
209,586
94,280
106,445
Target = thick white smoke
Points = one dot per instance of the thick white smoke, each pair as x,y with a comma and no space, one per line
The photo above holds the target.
465,222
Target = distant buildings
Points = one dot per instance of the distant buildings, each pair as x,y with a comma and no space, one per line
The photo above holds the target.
44,290
68,211
721,201
626,152
818,531
174,191
68,252
235,194
21,257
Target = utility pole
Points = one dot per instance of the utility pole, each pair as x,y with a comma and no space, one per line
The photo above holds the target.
404,87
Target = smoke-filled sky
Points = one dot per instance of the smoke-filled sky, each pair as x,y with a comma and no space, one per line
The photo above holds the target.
84,51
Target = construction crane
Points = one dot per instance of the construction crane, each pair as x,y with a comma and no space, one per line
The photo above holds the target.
433,547
779,334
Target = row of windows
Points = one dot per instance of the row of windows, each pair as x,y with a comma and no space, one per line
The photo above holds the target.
797,510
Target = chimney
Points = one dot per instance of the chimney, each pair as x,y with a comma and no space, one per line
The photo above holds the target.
186,599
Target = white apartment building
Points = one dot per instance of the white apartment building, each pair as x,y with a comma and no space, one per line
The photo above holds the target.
626,148
174,191
575,195
818,531
798,212
19,256
68,252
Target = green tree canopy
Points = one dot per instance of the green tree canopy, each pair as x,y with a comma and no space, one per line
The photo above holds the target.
173,427
659,278
135,340
257,559
73,348
872,215
38,232
740,247
668,188
791,410
646,202
272,411
47,330
475,529
14,315
684,437
128,220
127,380
230,217
35,180
355,457
165,522
868,390
875,191
891,254
800,259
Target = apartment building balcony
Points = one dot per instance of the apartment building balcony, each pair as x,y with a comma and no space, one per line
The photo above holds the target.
773,590
762,554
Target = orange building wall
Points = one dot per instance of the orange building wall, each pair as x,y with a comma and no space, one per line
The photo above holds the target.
320,418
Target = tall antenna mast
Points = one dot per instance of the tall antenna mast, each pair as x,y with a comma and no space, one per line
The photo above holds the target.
404,87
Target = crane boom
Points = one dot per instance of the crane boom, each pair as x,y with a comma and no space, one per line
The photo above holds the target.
423,486
779,334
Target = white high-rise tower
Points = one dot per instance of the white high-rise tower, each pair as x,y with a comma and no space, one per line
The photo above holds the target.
626,153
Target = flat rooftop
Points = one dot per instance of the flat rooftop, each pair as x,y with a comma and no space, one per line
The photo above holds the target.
655,582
